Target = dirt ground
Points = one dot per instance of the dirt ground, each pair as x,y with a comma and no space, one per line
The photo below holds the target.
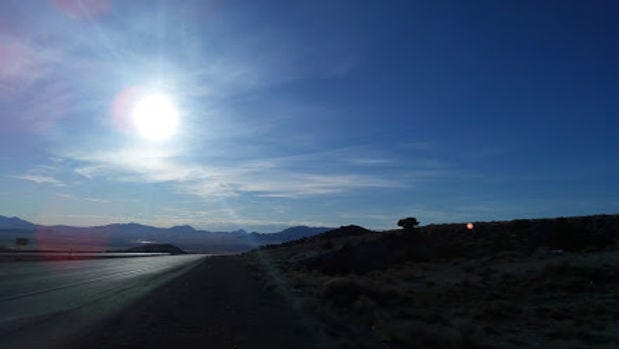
218,304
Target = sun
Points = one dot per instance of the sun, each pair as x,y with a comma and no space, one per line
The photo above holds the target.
155,117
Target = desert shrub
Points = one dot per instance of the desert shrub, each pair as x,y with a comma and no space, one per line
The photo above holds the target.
365,309
364,305
429,298
565,277
469,268
353,259
405,334
498,310
508,256
584,274
412,334
431,316
562,329
554,313
469,334
327,245
591,314
386,295
568,236
449,251
417,253
519,225
500,243
344,291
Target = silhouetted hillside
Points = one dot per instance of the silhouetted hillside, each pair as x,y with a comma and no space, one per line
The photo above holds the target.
360,250
161,248
345,231
541,282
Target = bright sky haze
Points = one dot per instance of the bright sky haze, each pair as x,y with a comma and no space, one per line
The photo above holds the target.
266,114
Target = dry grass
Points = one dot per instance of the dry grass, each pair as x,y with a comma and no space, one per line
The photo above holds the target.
449,288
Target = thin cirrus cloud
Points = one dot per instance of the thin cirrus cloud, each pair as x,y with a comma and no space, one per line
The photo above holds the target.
44,174
40,179
27,68
284,184
274,177
88,199
24,62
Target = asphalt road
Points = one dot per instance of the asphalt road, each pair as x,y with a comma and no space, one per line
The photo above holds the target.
42,304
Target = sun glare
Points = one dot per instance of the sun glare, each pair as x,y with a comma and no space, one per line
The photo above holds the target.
155,117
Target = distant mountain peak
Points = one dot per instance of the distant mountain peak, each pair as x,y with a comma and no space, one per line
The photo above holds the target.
291,233
15,223
126,234
183,228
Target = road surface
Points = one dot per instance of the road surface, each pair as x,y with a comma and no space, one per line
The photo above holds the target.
44,303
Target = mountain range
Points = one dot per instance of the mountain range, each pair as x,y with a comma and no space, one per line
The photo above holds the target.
119,236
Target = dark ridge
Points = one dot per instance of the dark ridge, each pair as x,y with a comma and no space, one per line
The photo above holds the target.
356,250
348,230
161,248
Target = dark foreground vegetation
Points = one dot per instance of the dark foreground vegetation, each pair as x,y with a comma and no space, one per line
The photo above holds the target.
549,283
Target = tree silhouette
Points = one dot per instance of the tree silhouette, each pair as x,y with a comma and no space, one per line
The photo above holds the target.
409,223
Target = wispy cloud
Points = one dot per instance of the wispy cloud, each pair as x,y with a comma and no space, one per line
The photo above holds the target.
43,174
40,179
89,199
135,165
24,62
284,184
269,177
368,161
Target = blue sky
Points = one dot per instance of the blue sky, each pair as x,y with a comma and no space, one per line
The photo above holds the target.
309,112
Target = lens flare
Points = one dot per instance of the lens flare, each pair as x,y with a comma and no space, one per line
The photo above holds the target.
83,9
